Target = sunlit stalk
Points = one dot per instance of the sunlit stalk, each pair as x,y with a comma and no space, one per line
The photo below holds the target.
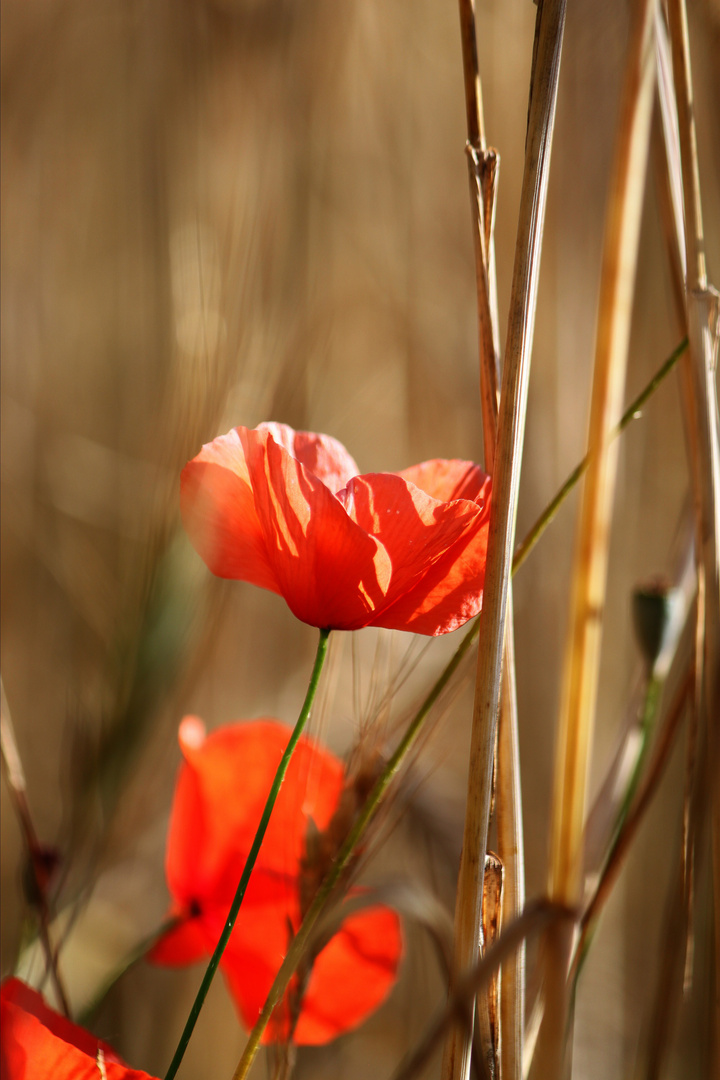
582,656
483,166
254,850
550,24
702,427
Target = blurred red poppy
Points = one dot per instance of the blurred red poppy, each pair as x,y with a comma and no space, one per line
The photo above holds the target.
220,794
286,510
37,1043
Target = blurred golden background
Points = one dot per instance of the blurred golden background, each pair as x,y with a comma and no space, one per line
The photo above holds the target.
218,212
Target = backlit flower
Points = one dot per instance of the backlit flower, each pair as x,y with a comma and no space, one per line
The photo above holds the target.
220,794
37,1043
287,510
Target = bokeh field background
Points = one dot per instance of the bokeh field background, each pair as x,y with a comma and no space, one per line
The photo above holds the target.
226,211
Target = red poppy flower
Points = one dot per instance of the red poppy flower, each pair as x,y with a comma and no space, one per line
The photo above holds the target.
286,510
37,1043
220,794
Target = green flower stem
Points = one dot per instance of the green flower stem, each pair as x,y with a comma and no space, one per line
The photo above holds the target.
373,801
254,850
632,411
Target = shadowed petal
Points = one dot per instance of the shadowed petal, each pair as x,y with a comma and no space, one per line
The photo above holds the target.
256,950
350,977
185,944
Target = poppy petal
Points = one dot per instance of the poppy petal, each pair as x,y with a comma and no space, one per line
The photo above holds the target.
184,944
329,570
219,798
449,593
254,954
218,512
320,454
351,977
423,537
449,479
38,1043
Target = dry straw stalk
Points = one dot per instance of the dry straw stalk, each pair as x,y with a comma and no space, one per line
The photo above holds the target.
582,657
508,455
483,175
703,434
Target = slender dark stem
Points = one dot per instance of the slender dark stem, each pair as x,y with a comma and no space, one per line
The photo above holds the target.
254,850
631,413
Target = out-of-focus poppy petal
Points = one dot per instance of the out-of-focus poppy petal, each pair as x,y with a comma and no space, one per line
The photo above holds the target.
185,944
223,785
256,950
188,878
330,571
321,454
232,771
37,1043
218,511
449,593
423,538
351,977
449,479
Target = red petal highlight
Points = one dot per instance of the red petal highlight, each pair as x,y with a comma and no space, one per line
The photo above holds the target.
260,506
38,1043
320,454
330,571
